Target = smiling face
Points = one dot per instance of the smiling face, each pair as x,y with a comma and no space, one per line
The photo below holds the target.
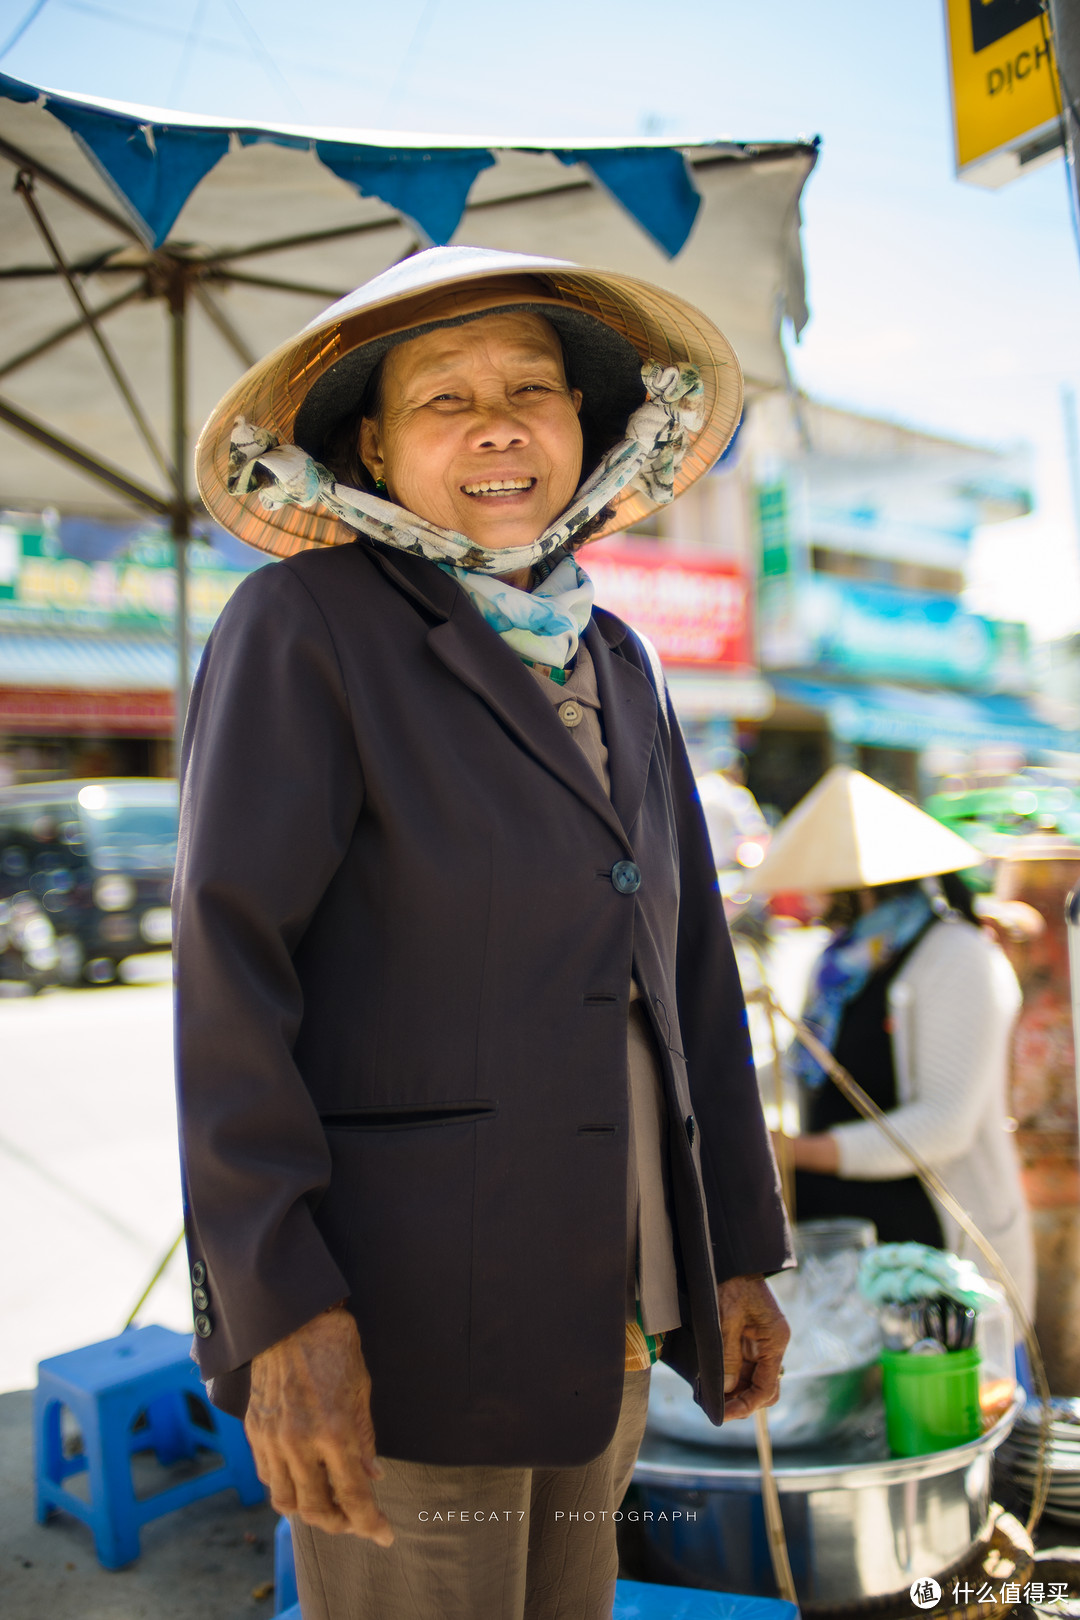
478,430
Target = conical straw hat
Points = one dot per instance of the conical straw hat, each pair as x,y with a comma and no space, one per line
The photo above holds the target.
658,324
852,833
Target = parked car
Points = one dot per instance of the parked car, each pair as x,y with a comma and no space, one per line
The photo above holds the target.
98,856
28,951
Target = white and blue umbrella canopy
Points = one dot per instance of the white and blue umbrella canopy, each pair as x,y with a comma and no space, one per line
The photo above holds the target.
196,246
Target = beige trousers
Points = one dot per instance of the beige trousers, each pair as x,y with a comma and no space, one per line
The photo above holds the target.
482,1543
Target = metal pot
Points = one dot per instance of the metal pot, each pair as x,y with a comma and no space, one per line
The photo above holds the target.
859,1523
813,1407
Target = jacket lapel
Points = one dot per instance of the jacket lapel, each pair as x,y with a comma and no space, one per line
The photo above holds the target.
466,646
628,705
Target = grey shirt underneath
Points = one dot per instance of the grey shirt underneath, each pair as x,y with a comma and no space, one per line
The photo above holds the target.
650,1273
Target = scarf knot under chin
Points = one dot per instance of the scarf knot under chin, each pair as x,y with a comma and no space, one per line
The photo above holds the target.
542,625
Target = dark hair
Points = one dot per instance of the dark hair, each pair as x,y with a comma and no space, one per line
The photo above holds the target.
959,897
844,908
341,447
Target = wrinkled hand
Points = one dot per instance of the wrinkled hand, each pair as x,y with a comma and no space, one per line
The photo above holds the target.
309,1424
755,1338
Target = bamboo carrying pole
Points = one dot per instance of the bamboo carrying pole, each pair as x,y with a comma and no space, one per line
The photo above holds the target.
935,1186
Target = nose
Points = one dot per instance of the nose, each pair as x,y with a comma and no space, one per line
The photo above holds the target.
497,426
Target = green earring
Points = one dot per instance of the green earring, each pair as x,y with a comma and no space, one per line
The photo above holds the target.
380,484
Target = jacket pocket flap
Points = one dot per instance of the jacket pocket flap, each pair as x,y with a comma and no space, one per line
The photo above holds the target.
397,1116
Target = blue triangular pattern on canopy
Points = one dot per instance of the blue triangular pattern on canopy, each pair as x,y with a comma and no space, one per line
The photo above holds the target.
653,185
273,137
156,165
155,173
15,90
429,188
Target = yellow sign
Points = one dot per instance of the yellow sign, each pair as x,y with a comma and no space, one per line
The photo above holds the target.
1005,92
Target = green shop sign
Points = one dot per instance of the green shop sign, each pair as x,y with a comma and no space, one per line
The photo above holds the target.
40,587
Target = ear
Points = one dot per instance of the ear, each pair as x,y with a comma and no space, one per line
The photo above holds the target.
370,447
576,396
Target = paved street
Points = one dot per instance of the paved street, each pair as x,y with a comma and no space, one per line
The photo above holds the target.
89,1182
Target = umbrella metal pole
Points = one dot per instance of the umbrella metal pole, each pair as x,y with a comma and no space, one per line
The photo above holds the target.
181,512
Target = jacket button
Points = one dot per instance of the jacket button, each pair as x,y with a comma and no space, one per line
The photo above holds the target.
203,1326
198,1274
626,877
691,1128
200,1298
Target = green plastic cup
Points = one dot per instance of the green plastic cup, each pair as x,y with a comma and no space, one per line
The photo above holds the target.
931,1402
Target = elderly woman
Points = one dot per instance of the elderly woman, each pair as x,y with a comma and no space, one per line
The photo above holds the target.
471,1130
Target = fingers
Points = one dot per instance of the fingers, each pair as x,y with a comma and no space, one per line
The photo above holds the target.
351,1467
310,1427
360,1513
731,1328
761,1387
315,1502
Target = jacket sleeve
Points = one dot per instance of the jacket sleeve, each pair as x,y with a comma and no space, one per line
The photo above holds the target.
745,1207
957,1009
270,791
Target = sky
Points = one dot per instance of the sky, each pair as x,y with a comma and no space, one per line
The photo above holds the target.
933,302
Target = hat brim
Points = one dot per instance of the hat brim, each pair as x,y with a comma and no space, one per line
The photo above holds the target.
850,832
655,324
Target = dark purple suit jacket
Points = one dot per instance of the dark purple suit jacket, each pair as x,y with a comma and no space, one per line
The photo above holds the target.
403,975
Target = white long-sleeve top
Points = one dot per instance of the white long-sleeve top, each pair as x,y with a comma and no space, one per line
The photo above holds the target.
952,1008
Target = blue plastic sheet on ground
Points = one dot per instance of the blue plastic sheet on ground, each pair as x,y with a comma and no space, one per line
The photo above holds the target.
634,1600
638,1600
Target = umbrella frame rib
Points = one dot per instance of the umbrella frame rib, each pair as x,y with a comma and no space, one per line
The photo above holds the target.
217,316
24,185
86,460
72,329
275,284
41,171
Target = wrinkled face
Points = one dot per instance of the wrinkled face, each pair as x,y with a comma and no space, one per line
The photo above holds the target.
478,431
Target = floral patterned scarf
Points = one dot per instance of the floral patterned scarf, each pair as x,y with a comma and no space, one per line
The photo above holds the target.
542,625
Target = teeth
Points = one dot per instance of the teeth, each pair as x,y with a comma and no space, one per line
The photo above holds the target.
497,486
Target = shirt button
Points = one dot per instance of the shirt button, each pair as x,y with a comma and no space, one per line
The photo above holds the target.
203,1326
626,877
571,713
198,1274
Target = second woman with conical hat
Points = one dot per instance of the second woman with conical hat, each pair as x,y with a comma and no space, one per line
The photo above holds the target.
918,1003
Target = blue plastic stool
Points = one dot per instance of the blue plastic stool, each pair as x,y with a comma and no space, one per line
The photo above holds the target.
146,1374
286,1601
634,1600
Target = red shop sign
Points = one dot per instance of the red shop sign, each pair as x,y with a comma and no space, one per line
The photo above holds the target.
33,710
694,607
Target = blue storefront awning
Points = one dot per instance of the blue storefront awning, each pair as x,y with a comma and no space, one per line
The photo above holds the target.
902,717
130,663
